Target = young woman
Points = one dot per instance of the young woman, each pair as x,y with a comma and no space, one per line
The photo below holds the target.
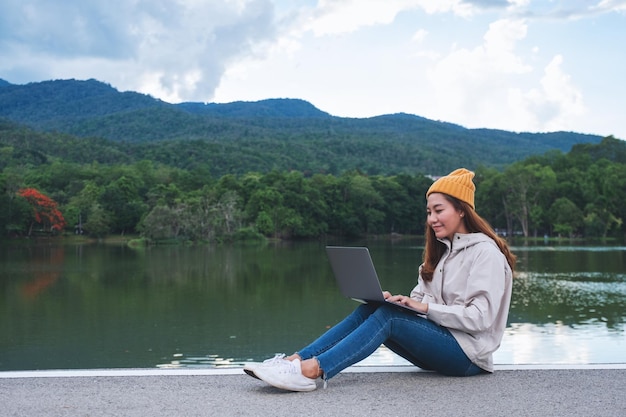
464,289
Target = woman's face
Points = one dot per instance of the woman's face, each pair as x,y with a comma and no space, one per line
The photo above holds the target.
443,218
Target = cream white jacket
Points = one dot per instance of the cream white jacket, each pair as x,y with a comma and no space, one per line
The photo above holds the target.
470,294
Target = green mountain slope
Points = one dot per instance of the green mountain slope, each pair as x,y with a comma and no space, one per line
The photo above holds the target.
260,136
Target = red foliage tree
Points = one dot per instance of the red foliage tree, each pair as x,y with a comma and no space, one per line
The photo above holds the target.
45,210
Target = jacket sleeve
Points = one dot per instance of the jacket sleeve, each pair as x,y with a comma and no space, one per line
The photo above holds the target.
475,308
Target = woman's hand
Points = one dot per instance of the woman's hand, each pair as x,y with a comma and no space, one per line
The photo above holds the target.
407,301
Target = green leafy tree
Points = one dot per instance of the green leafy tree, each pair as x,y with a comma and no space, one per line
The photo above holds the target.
598,221
163,194
567,218
402,202
121,198
614,191
78,209
161,223
408,214
490,199
227,215
265,223
266,207
366,203
303,212
524,186
99,222
15,212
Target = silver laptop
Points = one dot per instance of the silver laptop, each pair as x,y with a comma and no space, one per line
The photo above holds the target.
356,275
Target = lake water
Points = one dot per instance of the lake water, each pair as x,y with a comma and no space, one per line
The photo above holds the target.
110,306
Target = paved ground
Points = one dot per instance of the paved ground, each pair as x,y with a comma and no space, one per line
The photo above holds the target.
580,391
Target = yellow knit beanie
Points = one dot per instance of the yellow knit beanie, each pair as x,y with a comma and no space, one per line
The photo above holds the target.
458,184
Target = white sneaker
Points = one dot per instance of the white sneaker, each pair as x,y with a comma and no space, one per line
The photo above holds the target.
251,367
286,375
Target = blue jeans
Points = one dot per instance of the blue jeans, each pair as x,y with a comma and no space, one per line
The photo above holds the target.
418,340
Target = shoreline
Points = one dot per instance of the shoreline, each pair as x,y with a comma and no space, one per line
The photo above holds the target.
238,370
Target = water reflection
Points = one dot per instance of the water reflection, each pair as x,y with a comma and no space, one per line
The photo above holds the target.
575,298
99,306
567,307
212,361
557,343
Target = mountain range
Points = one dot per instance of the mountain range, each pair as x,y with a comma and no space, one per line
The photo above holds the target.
269,134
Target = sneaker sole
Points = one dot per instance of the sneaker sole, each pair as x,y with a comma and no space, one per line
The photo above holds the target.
251,373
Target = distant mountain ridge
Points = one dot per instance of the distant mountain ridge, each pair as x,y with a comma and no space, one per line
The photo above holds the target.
94,98
265,108
272,133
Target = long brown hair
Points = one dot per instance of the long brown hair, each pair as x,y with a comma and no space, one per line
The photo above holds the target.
434,249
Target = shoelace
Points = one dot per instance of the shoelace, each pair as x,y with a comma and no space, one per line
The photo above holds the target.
287,367
276,359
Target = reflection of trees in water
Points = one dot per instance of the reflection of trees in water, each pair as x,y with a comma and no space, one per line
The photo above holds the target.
46,265
579,298
114,306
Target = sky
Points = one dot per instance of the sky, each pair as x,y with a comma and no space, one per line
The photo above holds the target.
517,65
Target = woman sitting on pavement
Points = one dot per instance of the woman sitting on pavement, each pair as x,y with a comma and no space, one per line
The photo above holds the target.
463,289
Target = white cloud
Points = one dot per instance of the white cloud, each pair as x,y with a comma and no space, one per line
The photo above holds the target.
515,4
554,106
492,86
332,17
186,61
419,36
470,84
177,50
610,5
344,16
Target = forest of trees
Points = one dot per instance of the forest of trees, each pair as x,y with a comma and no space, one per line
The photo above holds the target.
81,157
575,194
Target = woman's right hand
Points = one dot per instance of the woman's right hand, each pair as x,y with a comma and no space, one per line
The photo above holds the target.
386,294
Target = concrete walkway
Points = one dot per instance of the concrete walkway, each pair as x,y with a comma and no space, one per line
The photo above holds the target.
358,391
